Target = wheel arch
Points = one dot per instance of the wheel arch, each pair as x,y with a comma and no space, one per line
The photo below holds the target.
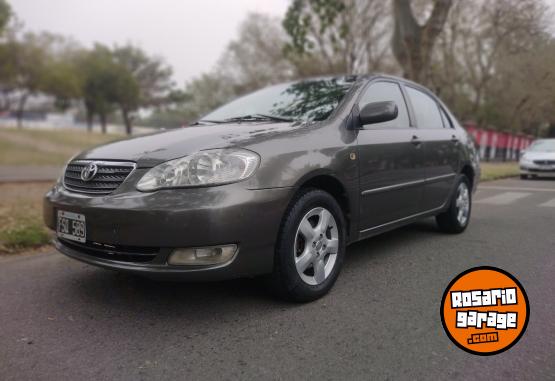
330,183
468,171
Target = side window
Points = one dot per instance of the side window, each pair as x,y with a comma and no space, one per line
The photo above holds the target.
387,91
425,109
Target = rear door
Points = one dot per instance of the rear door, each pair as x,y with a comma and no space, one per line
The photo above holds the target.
440,147
392,167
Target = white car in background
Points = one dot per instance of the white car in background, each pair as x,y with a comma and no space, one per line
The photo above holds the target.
538,160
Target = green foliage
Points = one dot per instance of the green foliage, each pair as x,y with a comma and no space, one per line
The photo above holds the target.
28,58
63,80
304,16
5,15
99,74
142,81
152,75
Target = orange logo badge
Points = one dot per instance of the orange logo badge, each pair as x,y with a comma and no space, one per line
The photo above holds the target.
485,310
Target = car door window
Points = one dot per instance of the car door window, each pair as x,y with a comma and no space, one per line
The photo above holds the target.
425,108
383,92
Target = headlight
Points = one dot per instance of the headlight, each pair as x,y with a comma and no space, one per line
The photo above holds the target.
211,167
525,160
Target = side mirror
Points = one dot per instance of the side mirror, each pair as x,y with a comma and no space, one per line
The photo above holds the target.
378,112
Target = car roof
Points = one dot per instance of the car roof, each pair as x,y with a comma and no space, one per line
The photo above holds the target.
367,77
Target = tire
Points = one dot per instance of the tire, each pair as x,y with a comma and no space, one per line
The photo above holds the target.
453,220
524,177
321,259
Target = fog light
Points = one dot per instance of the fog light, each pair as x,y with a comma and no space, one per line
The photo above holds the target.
202,256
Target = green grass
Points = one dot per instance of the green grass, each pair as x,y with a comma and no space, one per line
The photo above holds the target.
495,171
40,147
19,154
21,225
26,235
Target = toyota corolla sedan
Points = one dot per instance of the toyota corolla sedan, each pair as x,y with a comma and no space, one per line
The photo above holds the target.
275,183
538,160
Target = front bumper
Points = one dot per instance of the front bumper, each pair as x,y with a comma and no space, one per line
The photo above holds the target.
536,170
130,224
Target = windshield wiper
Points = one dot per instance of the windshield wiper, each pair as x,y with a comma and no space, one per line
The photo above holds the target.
247,118
208,121
257,117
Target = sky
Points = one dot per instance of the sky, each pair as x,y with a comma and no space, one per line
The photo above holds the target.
190,34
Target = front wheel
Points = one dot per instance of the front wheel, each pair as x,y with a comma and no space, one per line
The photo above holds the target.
456,218
310,247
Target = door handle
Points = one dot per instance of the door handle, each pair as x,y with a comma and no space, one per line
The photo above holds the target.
416,141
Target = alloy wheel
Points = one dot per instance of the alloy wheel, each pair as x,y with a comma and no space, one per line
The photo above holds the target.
463,204
316,246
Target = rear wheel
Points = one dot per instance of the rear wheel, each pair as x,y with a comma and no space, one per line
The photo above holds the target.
456,218
310,248
524,177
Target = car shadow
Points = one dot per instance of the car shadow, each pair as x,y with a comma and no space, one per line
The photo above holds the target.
123,291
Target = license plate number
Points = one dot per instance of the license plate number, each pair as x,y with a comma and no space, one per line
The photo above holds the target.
71,226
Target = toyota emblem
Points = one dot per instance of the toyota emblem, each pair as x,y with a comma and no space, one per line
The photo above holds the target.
89,172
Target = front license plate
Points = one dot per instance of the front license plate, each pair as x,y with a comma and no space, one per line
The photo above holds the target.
71,226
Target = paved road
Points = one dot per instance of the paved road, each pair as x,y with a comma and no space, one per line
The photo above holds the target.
63,319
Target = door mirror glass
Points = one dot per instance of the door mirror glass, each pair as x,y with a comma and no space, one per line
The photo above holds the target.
378,112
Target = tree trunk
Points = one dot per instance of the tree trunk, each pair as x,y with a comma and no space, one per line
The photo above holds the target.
412,43
21,109
90,116
102,117
126,121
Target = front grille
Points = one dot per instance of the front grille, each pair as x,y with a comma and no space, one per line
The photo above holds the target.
109,176
135,254
544,162
541,170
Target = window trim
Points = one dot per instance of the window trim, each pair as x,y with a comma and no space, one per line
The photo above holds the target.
446,115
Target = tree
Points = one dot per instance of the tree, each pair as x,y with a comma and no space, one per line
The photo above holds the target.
412,43
491,62
99,80
5,15
255,58
8,70
337,36
207,92
63,76
27,58
126,94
144,82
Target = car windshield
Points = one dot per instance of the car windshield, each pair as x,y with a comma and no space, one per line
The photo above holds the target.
542,146
311,100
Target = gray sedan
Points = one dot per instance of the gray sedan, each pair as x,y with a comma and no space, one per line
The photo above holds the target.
275,183
538,160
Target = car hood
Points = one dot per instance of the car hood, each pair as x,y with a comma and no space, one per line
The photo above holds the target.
539,156
153,149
